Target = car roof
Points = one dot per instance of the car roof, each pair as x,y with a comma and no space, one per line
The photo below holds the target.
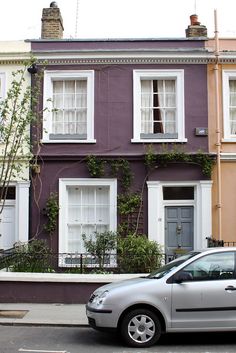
216,249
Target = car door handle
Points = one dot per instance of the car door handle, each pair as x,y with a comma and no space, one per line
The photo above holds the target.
230,288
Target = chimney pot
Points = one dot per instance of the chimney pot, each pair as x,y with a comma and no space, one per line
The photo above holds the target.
194,20
53,4
195,29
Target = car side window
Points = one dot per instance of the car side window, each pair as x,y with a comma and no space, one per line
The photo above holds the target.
218,266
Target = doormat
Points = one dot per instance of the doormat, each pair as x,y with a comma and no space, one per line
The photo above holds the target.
13,314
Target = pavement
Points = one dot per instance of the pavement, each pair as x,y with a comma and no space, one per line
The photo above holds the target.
43,314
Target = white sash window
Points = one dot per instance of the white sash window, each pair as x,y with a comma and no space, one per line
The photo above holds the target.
158,106
87,206
69,106
232,107
229,105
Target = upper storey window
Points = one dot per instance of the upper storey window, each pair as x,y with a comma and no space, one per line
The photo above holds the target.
158,106
229,100
69,99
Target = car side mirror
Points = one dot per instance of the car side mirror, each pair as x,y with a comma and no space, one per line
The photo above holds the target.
183,276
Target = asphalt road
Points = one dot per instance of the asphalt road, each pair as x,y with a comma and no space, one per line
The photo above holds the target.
16,339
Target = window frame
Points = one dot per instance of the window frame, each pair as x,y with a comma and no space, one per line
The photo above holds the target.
178,76
63,216
226,76
56,75
205,258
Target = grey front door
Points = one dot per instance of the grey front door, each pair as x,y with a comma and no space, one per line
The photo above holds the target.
178,230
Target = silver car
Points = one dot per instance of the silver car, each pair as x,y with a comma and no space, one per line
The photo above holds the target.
195,292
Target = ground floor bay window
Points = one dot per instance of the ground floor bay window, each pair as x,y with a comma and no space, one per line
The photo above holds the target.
87,206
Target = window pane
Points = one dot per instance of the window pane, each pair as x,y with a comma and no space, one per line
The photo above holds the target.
170,122
57,86
69,101
57,122
11,192
81,86
81,122
170,100
212,267
232,86
233,121
69,87
75,241
170,86
232,100
146,86
88,212
178,193
157,97
70,98
58,101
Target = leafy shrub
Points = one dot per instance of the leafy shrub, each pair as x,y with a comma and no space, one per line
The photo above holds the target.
100,245
35,256
137,254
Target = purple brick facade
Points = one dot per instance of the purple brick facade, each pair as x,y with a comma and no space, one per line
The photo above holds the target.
113,124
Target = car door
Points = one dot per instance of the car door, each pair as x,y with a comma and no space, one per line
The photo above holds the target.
208,299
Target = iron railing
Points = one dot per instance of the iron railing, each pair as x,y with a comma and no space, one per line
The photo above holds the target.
212,242
15,260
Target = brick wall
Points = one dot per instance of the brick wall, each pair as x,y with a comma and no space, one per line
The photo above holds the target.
52,23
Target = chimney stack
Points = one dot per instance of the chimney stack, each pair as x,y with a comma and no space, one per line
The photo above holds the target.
52,23
195,29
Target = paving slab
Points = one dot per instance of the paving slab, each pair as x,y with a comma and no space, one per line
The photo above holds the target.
43,314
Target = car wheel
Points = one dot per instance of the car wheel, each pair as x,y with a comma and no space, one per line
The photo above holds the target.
140,328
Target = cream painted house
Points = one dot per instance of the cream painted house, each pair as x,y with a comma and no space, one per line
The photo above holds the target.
222,136
15,215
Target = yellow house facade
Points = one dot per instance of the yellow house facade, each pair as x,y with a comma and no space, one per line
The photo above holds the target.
14,218
222,136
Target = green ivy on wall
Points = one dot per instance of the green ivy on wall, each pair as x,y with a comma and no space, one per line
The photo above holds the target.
119,168
178,155
51,211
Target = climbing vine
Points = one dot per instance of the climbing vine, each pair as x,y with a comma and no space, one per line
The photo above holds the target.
128,203
119,168
95,166
178,155
51,211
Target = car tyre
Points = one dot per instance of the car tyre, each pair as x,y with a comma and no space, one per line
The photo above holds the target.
140,328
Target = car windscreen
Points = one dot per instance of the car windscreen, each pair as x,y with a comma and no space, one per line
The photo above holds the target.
162,271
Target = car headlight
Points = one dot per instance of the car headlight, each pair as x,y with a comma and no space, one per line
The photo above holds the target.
100,297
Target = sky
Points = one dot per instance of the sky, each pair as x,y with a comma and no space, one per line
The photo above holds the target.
21,19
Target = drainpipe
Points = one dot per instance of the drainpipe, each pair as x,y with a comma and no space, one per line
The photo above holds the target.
218,129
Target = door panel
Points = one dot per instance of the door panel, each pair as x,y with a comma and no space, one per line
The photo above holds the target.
7,227
178,229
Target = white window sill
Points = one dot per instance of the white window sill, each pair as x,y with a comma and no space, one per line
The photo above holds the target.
158,140
68,141
232,139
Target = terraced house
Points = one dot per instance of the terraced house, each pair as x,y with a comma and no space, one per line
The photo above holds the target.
14,216
222,136
124,118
